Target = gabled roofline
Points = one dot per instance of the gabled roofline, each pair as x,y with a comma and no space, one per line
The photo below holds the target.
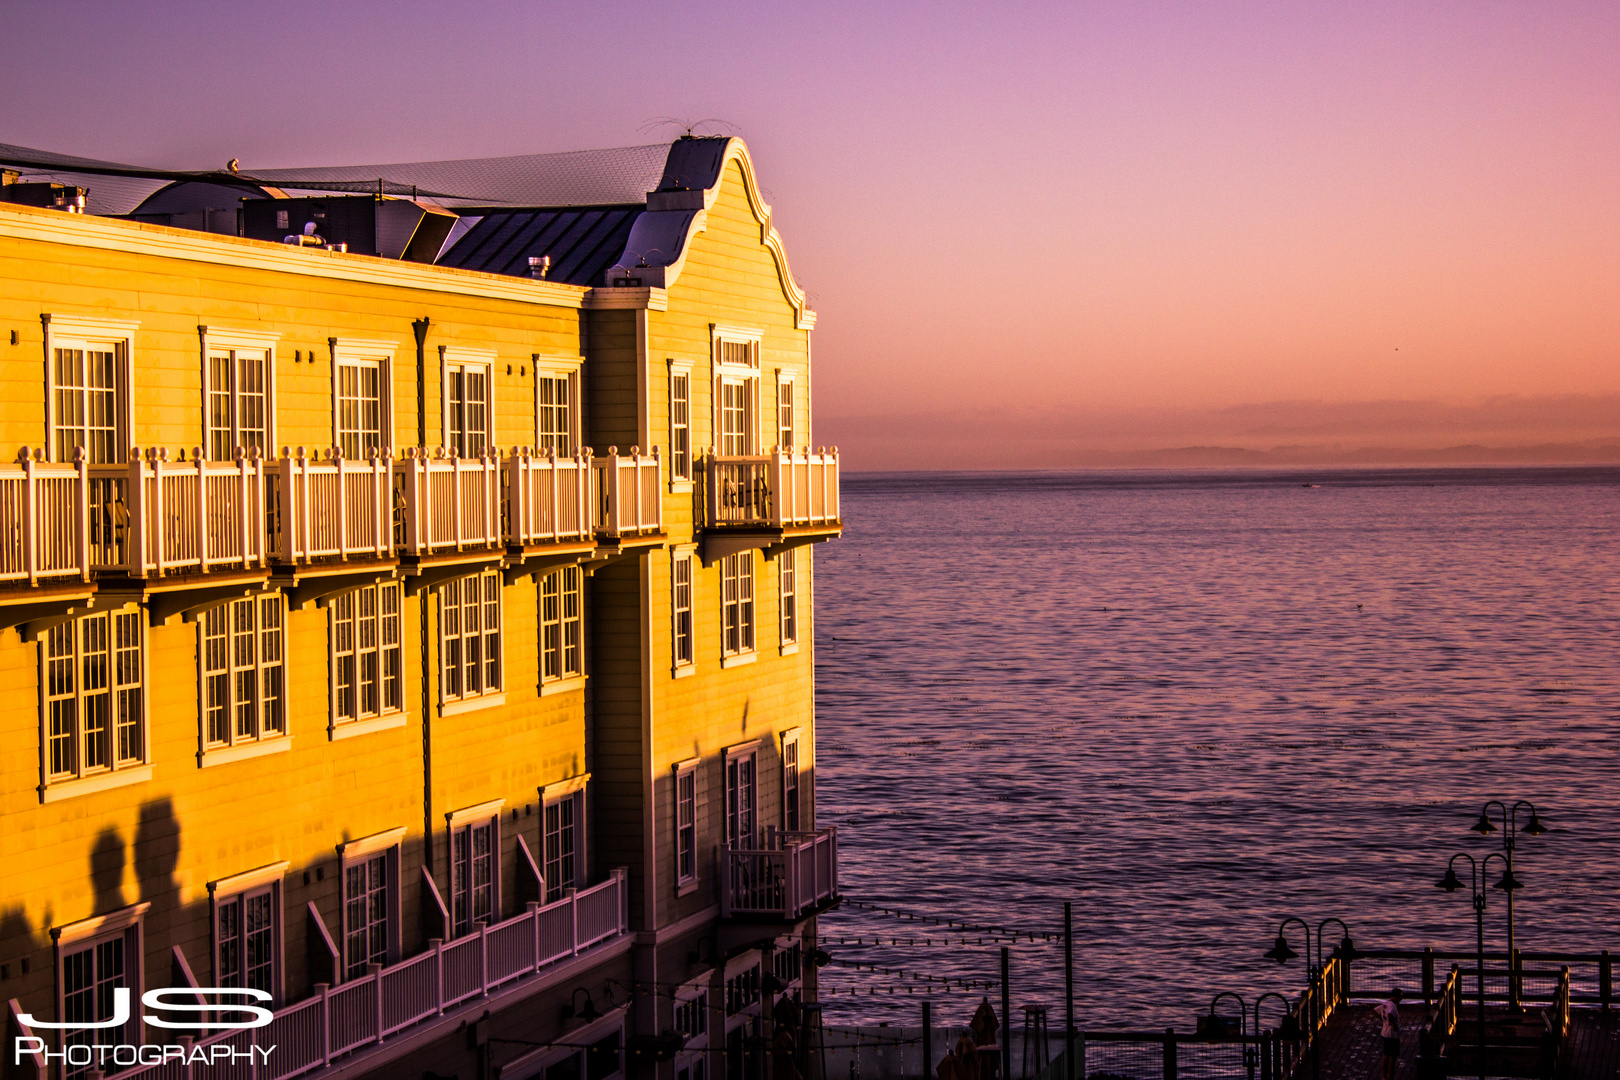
678,215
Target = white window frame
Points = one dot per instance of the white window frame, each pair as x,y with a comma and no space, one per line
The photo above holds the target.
241,888
551,368
354,352
693,998
787,412
684,817
461,824
683,601
572,792
732,812
235,747
735,356
362,852
488,694
76,331
737,576
343,727
680,426
562,679
453,360
793,816
231,341
118,770
789,612
128,925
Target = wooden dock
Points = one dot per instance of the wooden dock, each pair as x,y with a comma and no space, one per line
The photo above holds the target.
1351,1049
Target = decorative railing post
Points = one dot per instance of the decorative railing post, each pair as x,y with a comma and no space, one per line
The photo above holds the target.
141,511
324,992
336,457
573,915
1428,975
780,492
1169,1051
30,516
81,512
382,489
374,973
437,946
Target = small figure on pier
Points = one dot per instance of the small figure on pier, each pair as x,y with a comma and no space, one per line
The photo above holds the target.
1388,1012
984,1025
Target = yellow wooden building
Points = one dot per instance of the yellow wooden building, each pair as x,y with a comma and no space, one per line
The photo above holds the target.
407,615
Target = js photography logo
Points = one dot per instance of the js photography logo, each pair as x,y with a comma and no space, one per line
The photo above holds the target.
81,1050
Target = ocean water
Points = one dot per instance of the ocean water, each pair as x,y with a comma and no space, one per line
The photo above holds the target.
1194,704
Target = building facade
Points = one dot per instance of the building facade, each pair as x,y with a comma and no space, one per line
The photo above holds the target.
420,639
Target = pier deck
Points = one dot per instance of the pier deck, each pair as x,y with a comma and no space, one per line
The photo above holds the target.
1351,1049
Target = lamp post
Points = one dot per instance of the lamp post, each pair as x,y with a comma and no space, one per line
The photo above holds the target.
1216,1026
1287,1029
1282,953
1451,883
1509,884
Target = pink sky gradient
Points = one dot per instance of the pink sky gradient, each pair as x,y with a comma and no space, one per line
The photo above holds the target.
1062,216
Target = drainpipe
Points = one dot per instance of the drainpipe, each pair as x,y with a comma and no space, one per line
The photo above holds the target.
420,328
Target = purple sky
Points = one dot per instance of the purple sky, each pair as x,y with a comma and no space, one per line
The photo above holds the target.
1091,219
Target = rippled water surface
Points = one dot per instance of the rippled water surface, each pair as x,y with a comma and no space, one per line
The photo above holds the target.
1194,704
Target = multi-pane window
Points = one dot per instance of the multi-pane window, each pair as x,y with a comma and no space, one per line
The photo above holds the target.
562,595
790,783
88,379
90,972
472,876
680,426
246,939
681,589
466,406
470,635
788,568
692,1015
741,800
238,402
784,415
737,603
553,414
243,651
685,823
736,417
94,705
360,393
366,663
365,914
561,845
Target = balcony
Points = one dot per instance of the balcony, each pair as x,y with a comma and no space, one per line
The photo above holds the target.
630,498
793,877
773,500
389,1001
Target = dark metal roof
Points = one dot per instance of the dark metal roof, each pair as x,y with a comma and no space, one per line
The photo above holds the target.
582,241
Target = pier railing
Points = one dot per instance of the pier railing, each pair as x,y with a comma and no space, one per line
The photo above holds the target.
789,877
1538,974
782,489
342,1019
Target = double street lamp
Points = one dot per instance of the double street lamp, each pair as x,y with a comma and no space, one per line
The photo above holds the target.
1282,953
1451,883
1509,884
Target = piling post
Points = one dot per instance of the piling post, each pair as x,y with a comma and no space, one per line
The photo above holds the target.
1068,989
1265,1056
1006,1017
1169,1054
1428,975
927,1039
1605,979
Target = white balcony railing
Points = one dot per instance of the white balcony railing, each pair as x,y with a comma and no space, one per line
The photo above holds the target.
338,1020
549,499
789,878
330,509
631,498
782,489
44,520
154,516
449,503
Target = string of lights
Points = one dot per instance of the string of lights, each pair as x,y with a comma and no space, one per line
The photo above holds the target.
999,932
945,980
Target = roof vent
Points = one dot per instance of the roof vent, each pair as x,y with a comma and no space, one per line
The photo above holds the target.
539,265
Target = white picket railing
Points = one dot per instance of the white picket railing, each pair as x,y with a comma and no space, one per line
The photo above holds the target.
631,497
385,1001
549,499
782,489
449,503
44,519
790,877
159,517
330,509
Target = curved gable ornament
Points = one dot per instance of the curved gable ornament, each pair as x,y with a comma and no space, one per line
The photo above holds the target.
655,251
